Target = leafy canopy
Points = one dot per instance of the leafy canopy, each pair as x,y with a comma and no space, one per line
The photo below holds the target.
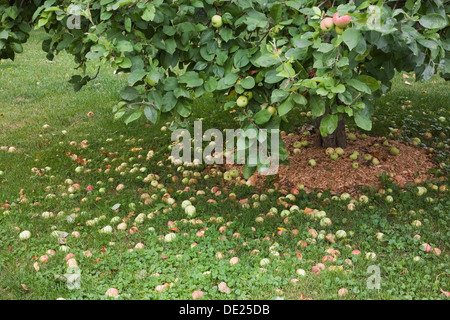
272,51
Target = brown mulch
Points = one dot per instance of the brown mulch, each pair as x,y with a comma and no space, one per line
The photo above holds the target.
338,175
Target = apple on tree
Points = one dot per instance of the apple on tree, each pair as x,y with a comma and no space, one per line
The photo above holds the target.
150,81
242,101
272,110
341,22
249,95
327,24
338,30
216,21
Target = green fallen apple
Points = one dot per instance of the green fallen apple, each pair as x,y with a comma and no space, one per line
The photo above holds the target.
234,173
297,144
312,163
227,176
394,151
329,151
354,155
355,165
304,143
416,141
339,151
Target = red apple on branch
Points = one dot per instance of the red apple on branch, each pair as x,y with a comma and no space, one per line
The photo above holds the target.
341,22
327,24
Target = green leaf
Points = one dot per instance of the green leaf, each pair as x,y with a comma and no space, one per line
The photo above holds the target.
286,106
248,83
276,12
4,34
362,119
267,61
351,37
262,116
129,93
371,82
170,45
136,76
151,114
360,86
125,64
226,34
300,99
302,43
154,97
227,82
170,84
12,12
325,47
149,13
338,89
133,117
286,71
184,109
128,24
317,106
241,58
124,46
433,21
191,79
328,124
248,171
169,102
211,84
278,95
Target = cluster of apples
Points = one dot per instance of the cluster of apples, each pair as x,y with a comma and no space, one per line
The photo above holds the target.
338,23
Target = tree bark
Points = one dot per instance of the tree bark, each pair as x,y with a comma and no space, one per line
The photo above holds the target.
337,139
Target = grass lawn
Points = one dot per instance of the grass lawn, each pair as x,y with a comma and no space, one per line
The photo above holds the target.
44,181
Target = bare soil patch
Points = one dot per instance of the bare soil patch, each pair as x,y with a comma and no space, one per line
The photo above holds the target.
411,164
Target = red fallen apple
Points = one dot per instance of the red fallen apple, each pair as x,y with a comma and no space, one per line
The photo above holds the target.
327,24
341,22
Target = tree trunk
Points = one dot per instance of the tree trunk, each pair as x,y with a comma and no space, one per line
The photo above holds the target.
337,139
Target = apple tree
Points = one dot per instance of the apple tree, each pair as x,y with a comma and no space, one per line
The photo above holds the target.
263,58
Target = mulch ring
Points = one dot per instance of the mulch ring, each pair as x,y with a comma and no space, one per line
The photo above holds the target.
411,164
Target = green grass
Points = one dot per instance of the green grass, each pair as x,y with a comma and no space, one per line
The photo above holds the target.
35,92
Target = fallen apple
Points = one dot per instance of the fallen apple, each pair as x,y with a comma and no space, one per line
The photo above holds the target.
394,151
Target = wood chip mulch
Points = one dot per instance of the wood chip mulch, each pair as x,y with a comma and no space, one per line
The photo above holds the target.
338,175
